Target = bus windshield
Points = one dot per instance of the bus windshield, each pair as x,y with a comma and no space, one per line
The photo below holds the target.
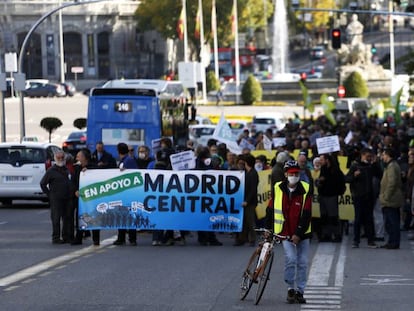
135,117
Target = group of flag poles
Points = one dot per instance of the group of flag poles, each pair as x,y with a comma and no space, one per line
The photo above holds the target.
199,34
327,105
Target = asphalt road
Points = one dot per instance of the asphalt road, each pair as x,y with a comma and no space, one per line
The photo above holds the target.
36,275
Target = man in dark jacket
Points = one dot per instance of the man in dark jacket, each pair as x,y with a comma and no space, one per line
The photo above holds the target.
248,233
126,162
331,184
56,183
360,176
102,158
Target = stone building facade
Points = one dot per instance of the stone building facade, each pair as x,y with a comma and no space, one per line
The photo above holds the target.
100,37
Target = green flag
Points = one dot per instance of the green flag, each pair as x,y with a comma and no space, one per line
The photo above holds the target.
396,102
307,101
328,106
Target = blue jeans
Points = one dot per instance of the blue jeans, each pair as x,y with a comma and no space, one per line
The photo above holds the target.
392,224
296,264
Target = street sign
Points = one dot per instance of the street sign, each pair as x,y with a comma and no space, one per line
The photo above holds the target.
76,69
341,91
10,62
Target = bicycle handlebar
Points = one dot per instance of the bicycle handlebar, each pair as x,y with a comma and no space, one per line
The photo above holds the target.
270,232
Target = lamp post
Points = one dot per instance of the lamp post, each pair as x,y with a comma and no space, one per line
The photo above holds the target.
154,44
20,76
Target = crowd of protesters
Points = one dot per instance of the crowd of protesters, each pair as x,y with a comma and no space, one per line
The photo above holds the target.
379,154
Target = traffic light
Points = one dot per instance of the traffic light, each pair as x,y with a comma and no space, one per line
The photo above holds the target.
373,49
336,38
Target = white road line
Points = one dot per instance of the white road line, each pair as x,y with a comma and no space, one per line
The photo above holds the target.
3,222
340,265
48,264
321,265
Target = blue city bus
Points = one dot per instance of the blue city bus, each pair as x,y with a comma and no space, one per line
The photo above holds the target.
135,116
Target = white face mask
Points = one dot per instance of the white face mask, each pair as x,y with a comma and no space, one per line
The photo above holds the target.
258,167
293,180
141,155
60,163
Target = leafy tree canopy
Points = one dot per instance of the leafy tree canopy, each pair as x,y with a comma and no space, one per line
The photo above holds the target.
163,16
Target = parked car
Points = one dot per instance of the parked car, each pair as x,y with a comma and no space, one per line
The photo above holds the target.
201,133
202,120
22,166
69,88
75,142
43,89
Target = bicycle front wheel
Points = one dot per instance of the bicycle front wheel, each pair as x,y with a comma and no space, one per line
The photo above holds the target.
263,277
247,278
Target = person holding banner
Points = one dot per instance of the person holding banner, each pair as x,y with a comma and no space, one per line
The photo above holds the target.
248,233
126,162
83,157
204,162
331,184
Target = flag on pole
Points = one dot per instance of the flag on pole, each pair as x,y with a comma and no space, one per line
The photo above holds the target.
328,106
197,23
223,134
180,24
215,42
235,30
233,19
397,100
307,101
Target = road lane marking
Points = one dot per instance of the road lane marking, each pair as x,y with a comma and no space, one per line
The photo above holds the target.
319,295
340,265
43,267
384,279
321,265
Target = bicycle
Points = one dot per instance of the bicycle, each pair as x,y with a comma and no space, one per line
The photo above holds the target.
260,264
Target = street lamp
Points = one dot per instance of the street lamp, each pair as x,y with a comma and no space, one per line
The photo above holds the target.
20,76
154,43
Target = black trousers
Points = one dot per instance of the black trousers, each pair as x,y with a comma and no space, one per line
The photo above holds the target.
60,211
132,235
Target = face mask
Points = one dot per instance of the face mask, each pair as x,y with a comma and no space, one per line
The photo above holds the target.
60,163
141,155
258,167
293,180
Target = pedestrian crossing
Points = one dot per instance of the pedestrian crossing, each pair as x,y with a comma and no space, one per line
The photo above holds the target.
324,291
322,298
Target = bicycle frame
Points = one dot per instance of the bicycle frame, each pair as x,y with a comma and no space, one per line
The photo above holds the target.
260,260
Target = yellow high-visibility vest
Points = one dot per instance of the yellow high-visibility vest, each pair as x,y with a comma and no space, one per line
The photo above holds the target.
277,207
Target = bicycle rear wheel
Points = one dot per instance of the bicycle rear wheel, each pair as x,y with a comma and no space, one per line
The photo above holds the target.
247,278
263,277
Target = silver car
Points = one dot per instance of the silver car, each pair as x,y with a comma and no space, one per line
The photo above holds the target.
22,166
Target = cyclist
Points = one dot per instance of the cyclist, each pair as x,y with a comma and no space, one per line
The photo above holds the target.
291,216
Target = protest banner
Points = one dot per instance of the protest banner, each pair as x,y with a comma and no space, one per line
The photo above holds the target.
161,200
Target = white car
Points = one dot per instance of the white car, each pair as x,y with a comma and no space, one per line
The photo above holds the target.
201,133
265,120
22,166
